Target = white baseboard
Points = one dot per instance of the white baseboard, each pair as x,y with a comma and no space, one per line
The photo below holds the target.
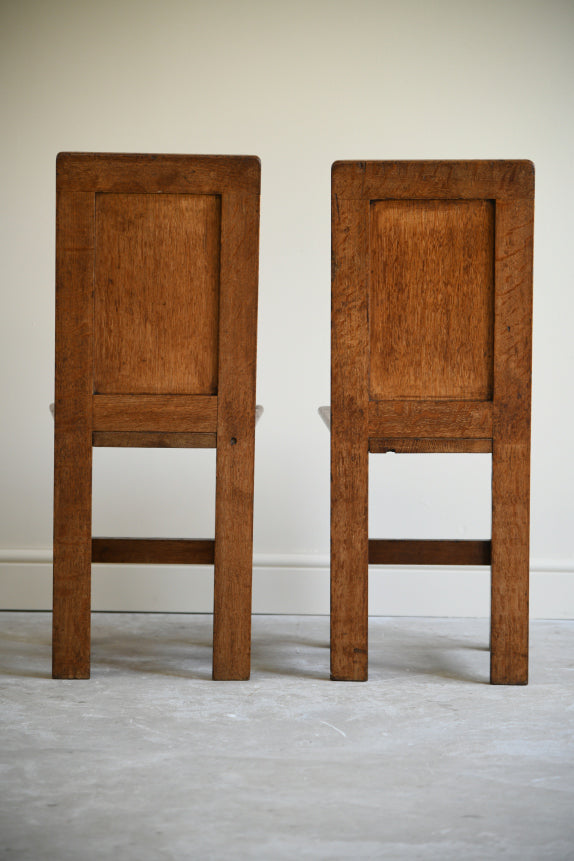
288,584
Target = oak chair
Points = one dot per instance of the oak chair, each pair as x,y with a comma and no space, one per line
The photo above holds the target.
156,314
431,352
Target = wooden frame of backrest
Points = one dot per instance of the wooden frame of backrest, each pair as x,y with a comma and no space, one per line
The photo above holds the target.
225,419
498,422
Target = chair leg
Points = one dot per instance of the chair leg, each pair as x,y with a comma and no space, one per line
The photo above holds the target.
349,562
72,556
233,558
510,563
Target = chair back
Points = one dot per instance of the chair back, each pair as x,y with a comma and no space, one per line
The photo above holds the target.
432,297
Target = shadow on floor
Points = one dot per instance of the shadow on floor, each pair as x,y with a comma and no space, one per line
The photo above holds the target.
179,646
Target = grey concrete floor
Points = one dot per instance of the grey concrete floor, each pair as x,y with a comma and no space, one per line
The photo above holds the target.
150,759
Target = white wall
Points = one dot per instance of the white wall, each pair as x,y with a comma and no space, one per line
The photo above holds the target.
300,84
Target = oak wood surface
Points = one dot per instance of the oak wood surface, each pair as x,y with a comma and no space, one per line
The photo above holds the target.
431,301
235,436
349,440
155,230
462,228
430,446
433,180
156,293
440,418
143,439
72,436
133,173
167,413
422,552
511,452
153,551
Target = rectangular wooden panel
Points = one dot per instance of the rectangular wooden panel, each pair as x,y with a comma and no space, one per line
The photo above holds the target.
167,413
441,419
73,436
156,293
421,552
431,299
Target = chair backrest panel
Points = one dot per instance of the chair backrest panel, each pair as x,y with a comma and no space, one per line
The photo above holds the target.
431,299
156,302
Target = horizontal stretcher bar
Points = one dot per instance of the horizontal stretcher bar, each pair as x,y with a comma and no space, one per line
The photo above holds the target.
430,446
154,551
163,413
430,419
422,552
153,439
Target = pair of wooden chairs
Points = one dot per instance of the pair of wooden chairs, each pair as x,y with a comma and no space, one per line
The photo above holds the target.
156,304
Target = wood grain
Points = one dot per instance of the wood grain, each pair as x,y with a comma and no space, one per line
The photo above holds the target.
431,299
441,418
157,293
430,446
171,239
463,230
72,436
235,436
511,452
433,180
166,413
133,173
139,439
153,551
422,552
349,441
